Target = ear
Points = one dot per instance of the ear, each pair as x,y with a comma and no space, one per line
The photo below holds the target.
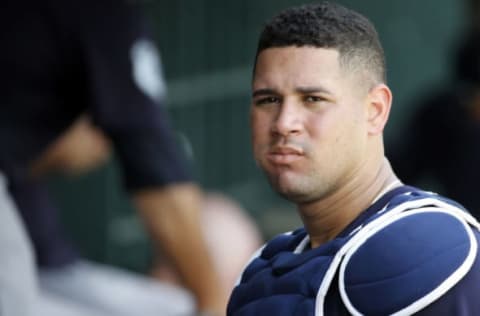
379,102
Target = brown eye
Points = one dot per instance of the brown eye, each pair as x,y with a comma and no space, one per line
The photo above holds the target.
312,98
267,100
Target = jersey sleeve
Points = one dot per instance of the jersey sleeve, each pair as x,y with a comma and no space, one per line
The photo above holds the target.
127,92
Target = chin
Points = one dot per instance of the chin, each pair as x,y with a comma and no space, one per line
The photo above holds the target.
290,193
295,197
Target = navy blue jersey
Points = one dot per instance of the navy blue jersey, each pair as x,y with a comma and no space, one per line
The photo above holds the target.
411,252
61,59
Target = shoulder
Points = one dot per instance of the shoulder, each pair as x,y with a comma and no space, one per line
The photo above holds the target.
407,262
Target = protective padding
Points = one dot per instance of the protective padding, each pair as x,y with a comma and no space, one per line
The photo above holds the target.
404,262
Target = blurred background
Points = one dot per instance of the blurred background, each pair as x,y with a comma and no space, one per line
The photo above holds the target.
207,48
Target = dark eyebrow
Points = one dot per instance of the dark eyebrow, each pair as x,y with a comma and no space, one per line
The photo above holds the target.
307,90
301,90
261,92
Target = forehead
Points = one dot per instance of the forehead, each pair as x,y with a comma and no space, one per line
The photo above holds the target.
296,66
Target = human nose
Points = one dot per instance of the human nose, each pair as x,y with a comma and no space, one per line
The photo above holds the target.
288,120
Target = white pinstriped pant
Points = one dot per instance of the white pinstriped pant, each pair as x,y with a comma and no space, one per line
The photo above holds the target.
83,289
18,282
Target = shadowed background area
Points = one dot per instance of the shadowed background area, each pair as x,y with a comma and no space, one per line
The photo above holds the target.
207,49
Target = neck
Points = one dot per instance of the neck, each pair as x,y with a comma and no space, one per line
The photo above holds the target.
324,219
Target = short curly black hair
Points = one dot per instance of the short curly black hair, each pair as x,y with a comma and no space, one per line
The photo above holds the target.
328,25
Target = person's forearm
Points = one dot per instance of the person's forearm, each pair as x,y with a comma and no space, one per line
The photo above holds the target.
172,217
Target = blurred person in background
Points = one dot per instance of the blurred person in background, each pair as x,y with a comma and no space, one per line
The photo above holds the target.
231,235
59,61
441,144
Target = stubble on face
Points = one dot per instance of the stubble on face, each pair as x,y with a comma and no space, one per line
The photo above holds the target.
317,172
285,178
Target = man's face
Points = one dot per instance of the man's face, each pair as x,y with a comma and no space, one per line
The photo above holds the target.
308,120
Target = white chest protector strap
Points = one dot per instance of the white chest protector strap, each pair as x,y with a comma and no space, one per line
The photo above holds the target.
410,214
